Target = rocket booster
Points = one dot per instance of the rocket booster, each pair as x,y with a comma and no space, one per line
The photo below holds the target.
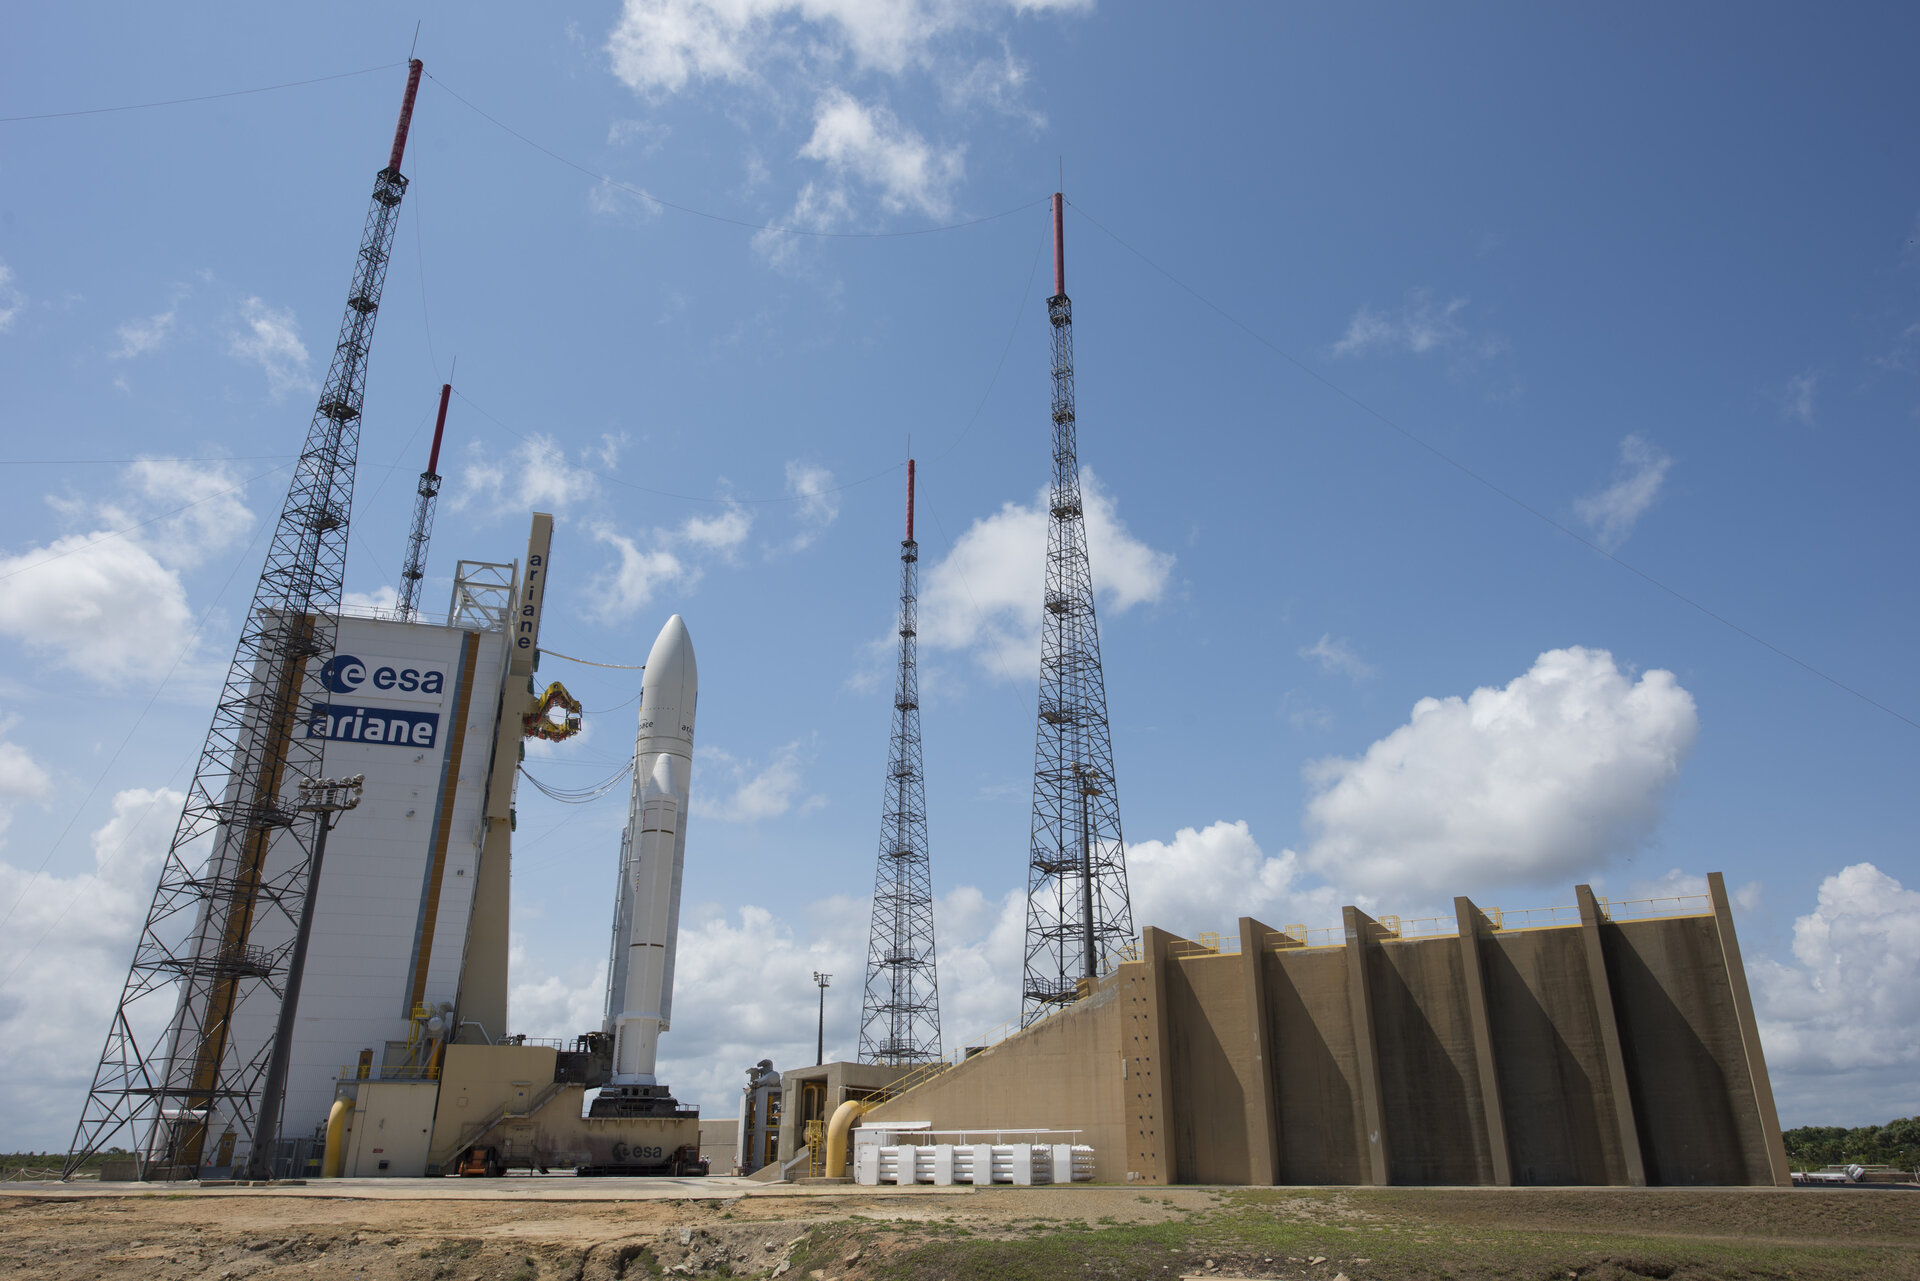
640,995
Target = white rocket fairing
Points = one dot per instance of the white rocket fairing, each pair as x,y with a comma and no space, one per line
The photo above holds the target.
640,993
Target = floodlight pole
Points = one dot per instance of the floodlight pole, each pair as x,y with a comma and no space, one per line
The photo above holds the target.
328,798
820,1048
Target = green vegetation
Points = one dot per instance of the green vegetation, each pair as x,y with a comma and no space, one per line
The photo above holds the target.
12,1164
1897,1143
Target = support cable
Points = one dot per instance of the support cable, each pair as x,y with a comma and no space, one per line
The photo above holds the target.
205,97
714,217
725,501
579,795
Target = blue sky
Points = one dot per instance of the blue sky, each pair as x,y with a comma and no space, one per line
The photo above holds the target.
1649,275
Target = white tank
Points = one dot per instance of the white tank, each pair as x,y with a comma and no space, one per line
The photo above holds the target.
640,999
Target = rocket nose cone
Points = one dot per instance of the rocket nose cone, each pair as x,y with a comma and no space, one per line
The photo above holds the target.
672,654
669,691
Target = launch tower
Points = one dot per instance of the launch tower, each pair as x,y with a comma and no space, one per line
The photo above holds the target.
900,1017
242,849
415,565
1078,912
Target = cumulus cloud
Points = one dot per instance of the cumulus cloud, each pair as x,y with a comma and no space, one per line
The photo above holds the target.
1536,783
1207,878
854,139
738,790
1420,327
112,606
722,533
658,47
1837,1024
56,1001
535,475
21,777
271,340
1337,658
12,301
984,596
629,584
1614,511
743,986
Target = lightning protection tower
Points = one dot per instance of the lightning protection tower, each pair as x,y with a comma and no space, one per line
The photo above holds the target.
237,872
900,1016
1078,913
415,566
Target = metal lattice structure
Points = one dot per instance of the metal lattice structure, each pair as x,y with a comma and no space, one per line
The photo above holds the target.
219,935
1079,917
900,1015
414,567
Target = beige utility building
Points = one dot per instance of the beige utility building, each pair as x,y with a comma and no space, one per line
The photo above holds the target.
1608,1044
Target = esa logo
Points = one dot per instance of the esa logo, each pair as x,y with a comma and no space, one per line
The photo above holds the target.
404,679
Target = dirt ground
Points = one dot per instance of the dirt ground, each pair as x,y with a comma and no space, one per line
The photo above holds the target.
532,1230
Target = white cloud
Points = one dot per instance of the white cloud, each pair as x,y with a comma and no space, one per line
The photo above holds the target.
628,586
106,608
819,505
658,46
1421,327
63,958
1207,878
142,337
854,139
740,976
1337,658
1613,512
722,533
984,596
212,515
21,777
12,301
1837,1026
1796,402
272,341
113,608
736,790
1537,783
535,475
381,598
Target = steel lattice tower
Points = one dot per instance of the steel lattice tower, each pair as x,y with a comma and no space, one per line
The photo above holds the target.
237,869
900,1016
414,567
1078,913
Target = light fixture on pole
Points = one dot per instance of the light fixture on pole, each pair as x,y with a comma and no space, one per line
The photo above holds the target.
820,1049
328,798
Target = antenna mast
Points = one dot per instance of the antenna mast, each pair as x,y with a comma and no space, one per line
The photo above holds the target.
1079,916
415,566
900,1015
216,946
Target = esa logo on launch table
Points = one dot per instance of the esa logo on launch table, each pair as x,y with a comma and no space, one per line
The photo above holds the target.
396,680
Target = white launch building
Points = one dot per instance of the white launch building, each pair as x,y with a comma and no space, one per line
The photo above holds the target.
653,851
409,944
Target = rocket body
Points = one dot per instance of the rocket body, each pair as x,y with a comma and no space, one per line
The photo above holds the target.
640,990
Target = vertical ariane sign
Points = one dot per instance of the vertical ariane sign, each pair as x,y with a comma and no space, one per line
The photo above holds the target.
533,593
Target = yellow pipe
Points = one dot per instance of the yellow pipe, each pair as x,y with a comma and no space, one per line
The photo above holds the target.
837,1129
336,1157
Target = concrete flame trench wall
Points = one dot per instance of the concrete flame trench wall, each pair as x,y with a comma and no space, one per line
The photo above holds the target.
1598,1053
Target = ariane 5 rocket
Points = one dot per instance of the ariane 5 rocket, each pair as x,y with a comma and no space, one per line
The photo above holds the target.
653,853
